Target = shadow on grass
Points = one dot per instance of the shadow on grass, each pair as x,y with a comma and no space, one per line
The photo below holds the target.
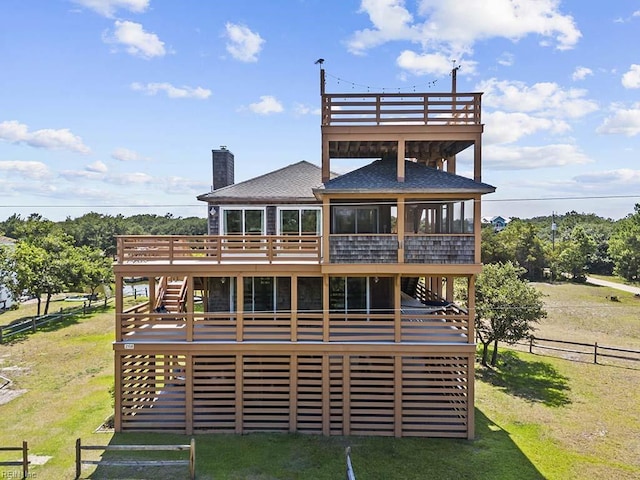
269,456
535,381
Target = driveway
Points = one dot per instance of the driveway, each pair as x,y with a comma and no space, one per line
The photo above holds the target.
618,286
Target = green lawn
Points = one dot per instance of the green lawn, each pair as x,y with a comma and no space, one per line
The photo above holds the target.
536,417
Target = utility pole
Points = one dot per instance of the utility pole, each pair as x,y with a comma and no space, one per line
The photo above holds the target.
553,240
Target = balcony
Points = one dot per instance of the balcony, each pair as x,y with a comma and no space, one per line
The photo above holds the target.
401,109
217,249
271,249
425,325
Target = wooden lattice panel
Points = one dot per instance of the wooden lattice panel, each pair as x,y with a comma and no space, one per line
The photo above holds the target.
435,399
336,394
309,394
214,393
371,395
153,392
265,393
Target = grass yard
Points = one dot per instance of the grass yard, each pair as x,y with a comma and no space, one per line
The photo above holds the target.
536,417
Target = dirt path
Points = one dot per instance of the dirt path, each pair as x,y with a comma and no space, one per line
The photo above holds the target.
618,286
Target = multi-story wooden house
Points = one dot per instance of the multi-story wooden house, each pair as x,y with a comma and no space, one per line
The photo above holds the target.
318,303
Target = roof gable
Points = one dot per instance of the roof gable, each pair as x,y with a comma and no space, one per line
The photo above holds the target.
291,183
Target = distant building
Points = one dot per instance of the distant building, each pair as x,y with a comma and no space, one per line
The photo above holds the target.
499,223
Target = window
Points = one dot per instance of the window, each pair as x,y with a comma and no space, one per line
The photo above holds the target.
299,221
361,294
267,294
243,221
434,217
355,219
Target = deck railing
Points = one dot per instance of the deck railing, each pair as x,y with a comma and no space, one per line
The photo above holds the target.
445,326
401,109
217,248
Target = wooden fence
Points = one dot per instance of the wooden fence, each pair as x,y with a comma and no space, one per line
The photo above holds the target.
31,324
24,463
594,350
190,462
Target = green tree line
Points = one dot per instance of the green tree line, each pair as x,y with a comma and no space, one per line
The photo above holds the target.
580,244
74,255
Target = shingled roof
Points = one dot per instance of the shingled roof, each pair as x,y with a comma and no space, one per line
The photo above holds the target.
380,176
290,184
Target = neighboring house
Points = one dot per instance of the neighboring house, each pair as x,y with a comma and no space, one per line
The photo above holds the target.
6,300
327,301
499,223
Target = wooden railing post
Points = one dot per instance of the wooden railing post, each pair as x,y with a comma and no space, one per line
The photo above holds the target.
192,459
78,458
25,459
531,344
595,352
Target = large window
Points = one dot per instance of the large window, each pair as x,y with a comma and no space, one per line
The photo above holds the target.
243,221
267,294
439,217
355,219
299,221
361,294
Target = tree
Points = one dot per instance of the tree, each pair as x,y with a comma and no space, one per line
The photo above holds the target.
624,246
97,269
518,241
506,307
576,253
47,265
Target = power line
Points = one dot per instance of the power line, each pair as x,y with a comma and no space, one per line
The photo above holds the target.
484,200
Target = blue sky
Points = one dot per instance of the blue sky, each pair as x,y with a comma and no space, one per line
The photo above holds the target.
114,106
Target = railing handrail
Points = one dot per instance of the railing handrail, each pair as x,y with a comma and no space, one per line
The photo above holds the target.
412,108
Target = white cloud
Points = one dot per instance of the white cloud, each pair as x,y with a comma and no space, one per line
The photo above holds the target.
107,8
455,26
61,139
180,185
302,109
624,121
506,59
619,177
137,42
429,63
545,98
502,157
636,13
243,44
30,170
126,155
631,79
137,178
580,73
171,91
97,167
503,127
267,105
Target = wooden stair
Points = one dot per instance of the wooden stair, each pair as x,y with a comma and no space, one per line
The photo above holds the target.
174,295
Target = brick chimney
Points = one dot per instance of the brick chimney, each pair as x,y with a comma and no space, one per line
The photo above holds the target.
222,160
